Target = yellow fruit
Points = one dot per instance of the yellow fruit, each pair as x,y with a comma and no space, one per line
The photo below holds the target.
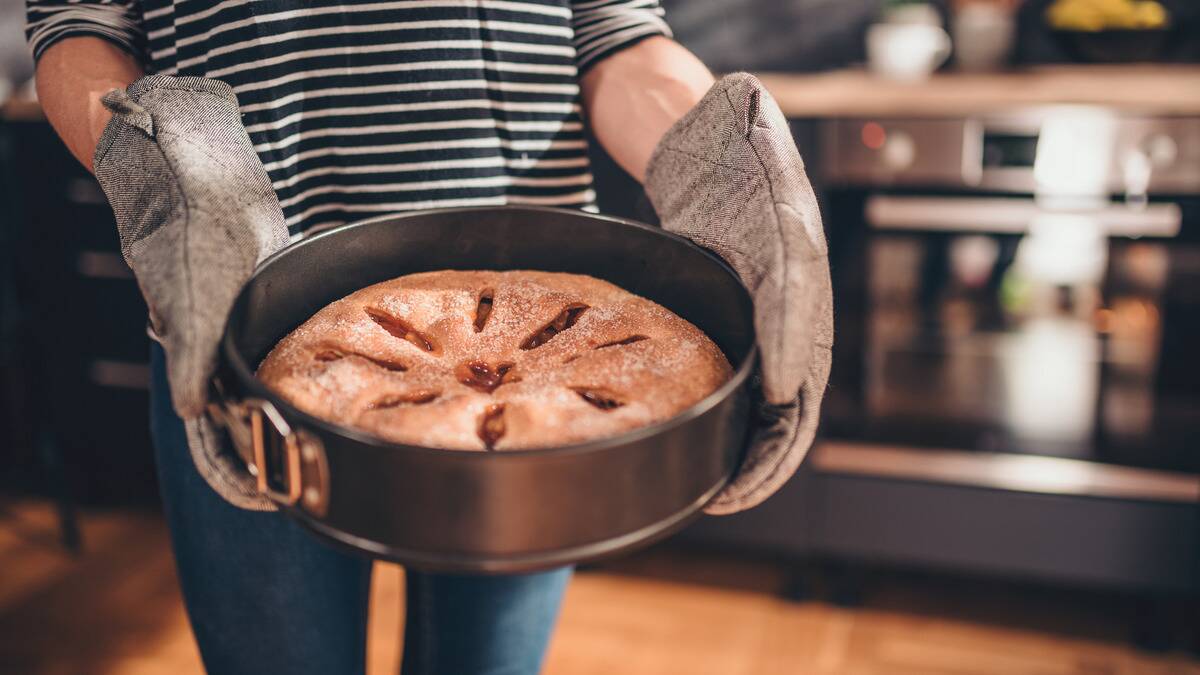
1151,15
1094,15
1075,15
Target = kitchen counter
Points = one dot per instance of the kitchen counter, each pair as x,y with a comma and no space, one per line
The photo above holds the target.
21,109
1148,88
1158,89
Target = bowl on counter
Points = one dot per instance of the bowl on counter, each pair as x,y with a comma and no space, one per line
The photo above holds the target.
1118,45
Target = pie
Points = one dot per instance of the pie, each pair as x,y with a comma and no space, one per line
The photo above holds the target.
482,360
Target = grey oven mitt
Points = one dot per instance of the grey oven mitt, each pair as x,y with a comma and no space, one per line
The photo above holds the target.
728,176
196,213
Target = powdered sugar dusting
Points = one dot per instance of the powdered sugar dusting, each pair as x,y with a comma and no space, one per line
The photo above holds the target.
652,379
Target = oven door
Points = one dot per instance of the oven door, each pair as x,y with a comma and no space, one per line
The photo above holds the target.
991,341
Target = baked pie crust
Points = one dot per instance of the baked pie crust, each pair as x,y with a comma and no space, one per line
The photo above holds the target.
479,360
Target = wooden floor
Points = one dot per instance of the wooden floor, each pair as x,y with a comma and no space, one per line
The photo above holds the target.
116,611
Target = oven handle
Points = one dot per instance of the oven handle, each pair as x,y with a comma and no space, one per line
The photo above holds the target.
1005,471
1008,215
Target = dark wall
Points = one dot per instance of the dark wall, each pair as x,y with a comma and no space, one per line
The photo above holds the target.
812,35
803,35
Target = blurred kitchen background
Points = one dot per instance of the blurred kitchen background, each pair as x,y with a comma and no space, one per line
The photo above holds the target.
1008,475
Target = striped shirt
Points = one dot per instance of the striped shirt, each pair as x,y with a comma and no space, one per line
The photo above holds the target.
360,107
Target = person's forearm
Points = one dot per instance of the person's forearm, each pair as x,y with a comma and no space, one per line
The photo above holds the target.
72,76
634,96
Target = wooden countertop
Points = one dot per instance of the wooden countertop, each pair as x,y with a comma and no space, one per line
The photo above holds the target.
18,109
1152,89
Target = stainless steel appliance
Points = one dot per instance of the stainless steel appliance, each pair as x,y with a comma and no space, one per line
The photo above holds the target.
1014,386
1021,285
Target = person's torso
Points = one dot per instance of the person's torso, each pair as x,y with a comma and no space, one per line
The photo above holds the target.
363,108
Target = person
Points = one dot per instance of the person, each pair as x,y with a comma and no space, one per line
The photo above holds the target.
220,129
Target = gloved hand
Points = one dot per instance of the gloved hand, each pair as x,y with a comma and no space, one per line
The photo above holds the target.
728,176
196,213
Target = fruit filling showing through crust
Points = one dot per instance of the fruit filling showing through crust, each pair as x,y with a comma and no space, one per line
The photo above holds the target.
400,328
491,425
626,341
483,308
479,375
565,319
599,397
334,354
394,400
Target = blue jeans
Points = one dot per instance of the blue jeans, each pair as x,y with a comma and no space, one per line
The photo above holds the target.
265,596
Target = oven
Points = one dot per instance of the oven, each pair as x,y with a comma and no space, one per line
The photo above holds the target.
1015,380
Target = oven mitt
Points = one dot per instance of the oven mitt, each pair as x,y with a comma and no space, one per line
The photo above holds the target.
196,213
728,176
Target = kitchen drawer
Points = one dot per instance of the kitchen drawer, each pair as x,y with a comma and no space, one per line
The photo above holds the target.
112,312
104,437
56,226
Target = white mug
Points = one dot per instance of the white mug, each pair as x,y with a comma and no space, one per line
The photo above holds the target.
906,51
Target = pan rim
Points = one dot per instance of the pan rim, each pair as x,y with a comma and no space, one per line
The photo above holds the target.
509,563
257,389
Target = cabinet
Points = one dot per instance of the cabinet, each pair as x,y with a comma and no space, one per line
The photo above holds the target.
76,400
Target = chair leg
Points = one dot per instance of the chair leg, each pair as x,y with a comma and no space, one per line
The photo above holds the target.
60,488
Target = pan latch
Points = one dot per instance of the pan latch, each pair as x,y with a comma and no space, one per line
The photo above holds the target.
276,459
288,464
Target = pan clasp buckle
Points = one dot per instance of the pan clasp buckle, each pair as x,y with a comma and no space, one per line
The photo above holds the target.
276,459
288,464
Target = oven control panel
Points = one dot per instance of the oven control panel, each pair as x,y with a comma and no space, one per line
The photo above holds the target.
1058,151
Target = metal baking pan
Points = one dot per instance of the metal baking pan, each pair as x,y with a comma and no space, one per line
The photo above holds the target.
472,511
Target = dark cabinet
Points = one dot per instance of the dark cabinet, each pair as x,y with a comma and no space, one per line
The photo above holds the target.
76,400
